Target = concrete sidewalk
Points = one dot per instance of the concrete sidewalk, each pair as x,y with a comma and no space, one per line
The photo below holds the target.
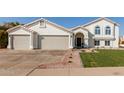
101,71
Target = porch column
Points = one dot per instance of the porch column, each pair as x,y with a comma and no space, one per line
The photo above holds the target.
9,42
31,41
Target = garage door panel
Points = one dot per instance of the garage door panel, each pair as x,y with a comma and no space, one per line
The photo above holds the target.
21,42
54,42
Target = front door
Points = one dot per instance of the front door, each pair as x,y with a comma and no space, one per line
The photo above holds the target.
78,42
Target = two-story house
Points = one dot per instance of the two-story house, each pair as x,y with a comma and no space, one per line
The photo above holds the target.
46,35
101,32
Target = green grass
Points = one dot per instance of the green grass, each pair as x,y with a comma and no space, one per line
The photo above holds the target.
104,58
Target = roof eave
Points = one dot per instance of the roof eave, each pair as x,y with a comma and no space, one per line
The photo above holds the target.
9,30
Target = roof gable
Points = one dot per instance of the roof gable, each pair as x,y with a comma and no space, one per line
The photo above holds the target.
20,27
99,19
49,22
79,27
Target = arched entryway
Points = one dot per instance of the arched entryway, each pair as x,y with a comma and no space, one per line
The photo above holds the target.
79,40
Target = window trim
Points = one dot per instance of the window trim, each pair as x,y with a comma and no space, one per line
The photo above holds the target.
106,31
97,33
98,42
107,43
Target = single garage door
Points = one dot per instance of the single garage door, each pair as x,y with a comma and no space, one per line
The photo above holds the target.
54,42
21,42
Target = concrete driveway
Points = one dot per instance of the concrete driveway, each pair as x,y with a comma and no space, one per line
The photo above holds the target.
13,62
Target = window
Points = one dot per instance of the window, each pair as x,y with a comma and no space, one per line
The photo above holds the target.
42,24
108,30
97,30
107,43
96,42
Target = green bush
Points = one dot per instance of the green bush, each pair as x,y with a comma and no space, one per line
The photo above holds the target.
3,39
4,34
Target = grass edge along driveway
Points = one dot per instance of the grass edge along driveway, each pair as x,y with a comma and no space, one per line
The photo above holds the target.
104,58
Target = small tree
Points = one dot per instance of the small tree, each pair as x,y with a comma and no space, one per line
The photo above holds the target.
4,34
3,39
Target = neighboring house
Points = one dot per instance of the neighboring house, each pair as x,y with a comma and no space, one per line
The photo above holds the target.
121,41
46,35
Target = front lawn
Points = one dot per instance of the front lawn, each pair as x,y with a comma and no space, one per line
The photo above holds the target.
104,58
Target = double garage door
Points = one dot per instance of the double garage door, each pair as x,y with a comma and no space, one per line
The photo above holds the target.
44,42
21,42
53,42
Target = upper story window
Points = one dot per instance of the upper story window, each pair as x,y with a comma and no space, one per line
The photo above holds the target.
97,30
107,30
42,24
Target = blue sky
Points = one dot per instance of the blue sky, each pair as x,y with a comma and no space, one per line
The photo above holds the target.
67,22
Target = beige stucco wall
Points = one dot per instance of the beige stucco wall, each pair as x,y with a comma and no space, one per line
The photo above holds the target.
116,41
35,40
